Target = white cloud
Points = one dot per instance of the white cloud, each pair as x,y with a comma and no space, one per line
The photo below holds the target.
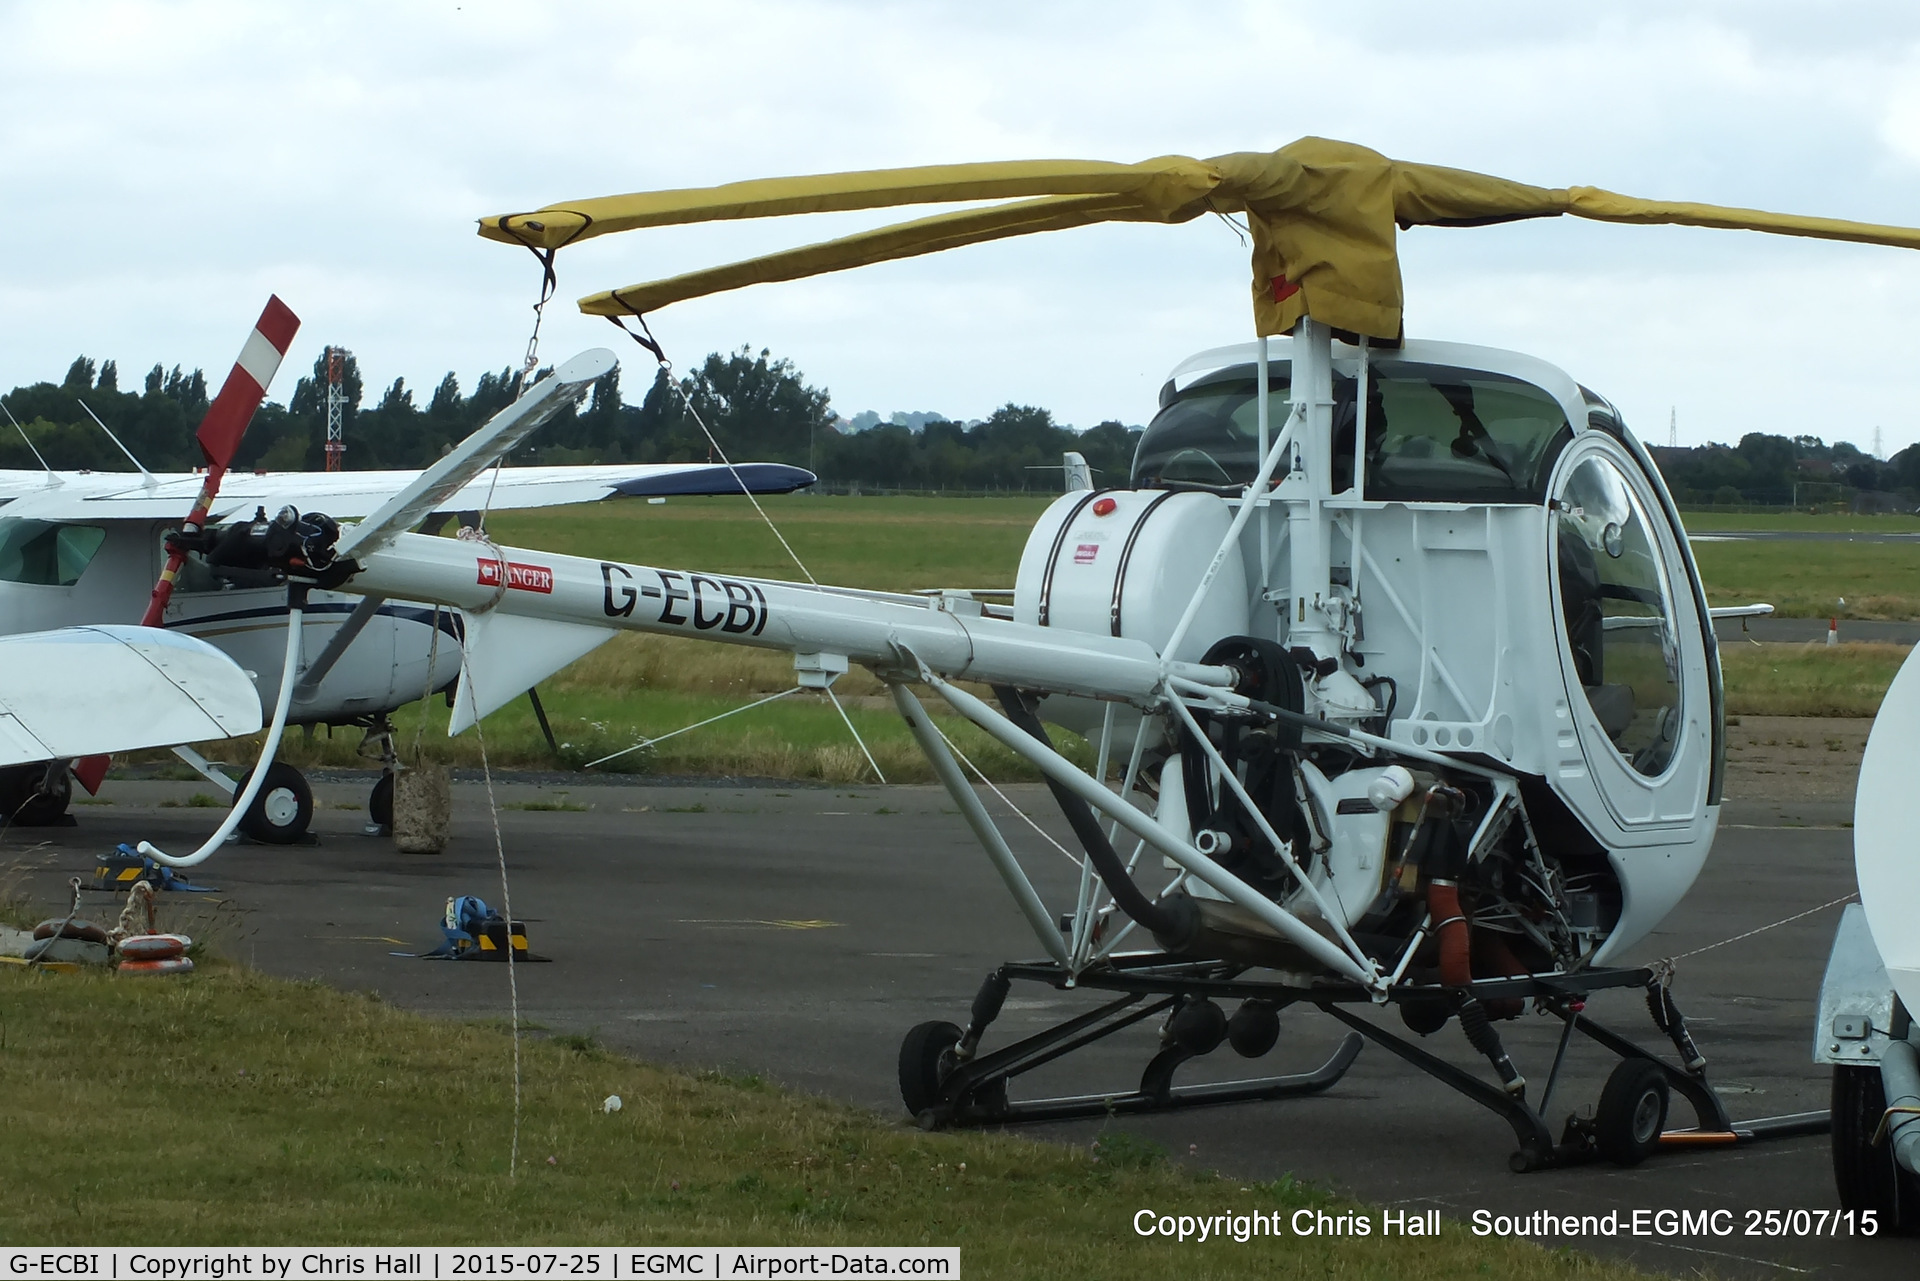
168,164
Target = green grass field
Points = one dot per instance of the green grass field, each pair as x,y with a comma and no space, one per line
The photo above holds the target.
888,544
799,737
1808,680
226,1107
900,544
1702,522
639,686
1808,579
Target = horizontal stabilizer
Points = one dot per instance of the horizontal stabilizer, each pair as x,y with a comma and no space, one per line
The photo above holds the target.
506,655
81,691
1740,611
718,478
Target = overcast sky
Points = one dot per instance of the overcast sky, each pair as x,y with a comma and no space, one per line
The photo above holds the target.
166,166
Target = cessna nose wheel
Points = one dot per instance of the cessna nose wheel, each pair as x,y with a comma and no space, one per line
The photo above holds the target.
283,810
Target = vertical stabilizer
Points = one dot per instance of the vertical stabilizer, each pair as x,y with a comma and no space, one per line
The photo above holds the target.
506,655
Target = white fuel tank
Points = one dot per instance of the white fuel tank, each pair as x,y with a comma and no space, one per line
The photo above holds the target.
1124,562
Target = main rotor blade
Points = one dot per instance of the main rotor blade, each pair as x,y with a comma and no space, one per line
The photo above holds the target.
902,240
1166,181
1324,216
472,456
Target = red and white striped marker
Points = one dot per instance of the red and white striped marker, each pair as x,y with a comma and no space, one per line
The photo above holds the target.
247,383
225,423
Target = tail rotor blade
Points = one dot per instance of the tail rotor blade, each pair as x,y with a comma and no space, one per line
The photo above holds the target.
226,422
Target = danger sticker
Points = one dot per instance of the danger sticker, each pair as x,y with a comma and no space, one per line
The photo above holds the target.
1085,552
521,578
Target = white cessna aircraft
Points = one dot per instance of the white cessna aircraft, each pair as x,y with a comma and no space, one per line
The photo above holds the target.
82,548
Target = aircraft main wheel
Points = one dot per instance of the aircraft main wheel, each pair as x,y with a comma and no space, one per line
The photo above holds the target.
1632,1112
31,800
923,1057
282,811
380,802
1866,1176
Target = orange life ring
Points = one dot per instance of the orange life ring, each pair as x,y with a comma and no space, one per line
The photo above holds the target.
153,947
172,965
75,929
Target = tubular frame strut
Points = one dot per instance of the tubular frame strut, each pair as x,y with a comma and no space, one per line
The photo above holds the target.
973,1085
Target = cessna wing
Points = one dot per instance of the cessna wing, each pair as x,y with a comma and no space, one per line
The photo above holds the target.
80,691
127,496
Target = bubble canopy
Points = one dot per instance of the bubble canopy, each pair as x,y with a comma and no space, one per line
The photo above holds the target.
1444,423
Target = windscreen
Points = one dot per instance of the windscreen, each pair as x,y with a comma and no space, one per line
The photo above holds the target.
1434,433
45,554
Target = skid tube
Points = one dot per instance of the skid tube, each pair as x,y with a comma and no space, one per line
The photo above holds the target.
973,1086
973,1091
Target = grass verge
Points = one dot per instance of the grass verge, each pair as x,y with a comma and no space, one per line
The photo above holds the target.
638,686
231,1108
888,544
1812,679
1808,579
1703,522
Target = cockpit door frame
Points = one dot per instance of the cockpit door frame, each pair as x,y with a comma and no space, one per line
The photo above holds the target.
1675,798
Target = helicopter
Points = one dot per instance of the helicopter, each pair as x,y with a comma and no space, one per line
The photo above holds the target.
1398,673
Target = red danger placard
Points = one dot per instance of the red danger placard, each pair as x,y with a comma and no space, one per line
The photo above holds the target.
521,578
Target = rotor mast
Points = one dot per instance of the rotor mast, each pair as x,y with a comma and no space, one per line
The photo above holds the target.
1313,616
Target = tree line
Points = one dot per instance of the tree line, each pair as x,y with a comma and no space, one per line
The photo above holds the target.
1775,471
754,406
759,407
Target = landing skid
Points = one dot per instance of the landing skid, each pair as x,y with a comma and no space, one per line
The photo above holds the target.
948,1081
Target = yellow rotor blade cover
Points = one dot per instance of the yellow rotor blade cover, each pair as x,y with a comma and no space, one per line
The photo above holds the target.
1167,182
1324,216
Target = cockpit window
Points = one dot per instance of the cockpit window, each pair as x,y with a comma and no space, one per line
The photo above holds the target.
1209,434
1619,615
46,554
1434,433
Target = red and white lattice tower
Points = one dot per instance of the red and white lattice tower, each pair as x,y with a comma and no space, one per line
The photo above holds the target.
336,406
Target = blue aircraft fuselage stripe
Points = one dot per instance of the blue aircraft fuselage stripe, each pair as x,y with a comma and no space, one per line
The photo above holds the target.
449,619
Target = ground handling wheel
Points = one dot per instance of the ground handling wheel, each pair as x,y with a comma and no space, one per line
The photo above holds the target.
35,795
1632,1112
380,803
282,811
925,1058
1865,1175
